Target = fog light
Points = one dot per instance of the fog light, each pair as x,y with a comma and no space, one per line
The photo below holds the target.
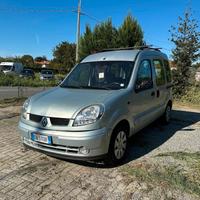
84,150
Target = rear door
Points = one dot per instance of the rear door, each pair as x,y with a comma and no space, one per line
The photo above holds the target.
160,81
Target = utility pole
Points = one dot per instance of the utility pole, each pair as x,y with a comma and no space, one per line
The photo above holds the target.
78,30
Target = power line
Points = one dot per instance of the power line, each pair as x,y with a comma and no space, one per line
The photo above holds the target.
54,10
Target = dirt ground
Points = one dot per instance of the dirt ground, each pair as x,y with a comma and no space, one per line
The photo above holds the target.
163,163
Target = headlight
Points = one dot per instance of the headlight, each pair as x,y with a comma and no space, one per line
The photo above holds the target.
24,108
89,115
26,104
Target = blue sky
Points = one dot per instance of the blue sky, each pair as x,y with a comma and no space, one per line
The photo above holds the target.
37,33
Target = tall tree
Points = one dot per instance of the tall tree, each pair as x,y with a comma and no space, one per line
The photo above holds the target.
27,61
64,55
87,43
186,39
130,33
102,37
105,35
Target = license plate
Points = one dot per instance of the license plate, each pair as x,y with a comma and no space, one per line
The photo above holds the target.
37,137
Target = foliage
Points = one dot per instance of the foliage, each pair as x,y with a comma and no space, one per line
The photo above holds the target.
64,56
130,33
105,36
192,95
186,39
8,80
40,58
27,61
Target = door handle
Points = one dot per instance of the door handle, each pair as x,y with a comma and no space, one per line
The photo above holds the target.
158,93
153,94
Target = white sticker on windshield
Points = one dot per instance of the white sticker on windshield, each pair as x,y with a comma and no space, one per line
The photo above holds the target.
101,75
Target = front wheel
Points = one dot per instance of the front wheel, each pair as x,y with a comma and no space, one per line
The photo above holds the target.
118,146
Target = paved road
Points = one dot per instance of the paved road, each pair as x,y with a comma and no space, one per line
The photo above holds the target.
32,175
9,92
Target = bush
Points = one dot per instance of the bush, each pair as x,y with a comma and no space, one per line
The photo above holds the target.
6,80
192,95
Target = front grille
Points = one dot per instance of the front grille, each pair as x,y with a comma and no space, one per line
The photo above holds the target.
54,121
35,118
59,121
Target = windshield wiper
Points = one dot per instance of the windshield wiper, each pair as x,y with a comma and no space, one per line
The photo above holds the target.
85,87
95,87
70,86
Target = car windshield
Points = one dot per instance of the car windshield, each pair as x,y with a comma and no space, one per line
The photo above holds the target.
100,75
46,72
6,67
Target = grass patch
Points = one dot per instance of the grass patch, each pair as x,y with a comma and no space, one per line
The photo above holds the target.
176,176
189,157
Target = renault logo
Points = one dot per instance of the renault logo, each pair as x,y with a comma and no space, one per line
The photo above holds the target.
44,121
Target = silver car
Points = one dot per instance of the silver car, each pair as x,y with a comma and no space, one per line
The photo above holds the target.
103,101
46,74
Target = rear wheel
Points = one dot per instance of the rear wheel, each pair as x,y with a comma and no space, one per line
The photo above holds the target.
167,114
118,146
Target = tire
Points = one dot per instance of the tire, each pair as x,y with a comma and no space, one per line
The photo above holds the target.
118,147
167,115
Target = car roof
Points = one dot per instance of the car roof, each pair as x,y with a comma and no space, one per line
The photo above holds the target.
118,55
122,54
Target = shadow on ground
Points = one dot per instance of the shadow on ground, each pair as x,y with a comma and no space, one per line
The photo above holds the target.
154,135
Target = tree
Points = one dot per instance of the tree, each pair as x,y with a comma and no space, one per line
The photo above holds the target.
102,37
87,43
27,61
40,58
64,56
105,36
130,33
186,39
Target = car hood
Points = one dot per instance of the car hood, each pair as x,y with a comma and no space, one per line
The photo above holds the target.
66,103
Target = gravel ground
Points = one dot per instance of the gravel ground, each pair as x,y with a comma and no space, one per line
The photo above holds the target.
32,175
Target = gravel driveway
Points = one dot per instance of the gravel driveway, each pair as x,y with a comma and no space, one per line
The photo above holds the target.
32,175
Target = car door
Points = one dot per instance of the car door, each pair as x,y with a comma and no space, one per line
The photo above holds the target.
161,89
144,96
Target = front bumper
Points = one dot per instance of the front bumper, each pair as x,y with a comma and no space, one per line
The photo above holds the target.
67,144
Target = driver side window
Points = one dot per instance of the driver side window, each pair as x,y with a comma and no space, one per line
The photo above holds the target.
144,76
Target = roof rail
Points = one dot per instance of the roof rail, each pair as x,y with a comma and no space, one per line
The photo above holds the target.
133,48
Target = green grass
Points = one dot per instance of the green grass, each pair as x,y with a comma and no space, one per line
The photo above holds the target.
174,176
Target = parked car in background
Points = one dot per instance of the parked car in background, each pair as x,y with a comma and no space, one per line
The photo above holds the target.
27,73
11,68
104,100
46,74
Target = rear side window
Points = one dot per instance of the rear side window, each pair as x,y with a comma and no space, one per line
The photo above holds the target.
160,73
168,71
144,76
